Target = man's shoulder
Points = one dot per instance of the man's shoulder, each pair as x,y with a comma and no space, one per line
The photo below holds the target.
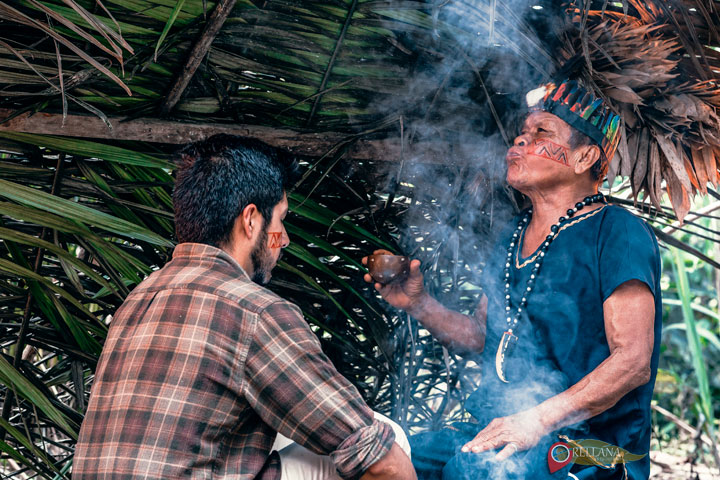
620,214
624,233
617,219
221,284
248,294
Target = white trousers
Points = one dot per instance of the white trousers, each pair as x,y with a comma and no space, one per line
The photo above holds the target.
299,463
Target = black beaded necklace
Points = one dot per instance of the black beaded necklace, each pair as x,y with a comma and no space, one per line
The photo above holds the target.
509,339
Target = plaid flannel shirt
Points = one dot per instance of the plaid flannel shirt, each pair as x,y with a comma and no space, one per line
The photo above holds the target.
201,368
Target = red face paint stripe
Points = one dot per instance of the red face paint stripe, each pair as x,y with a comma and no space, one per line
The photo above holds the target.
551,151
275,239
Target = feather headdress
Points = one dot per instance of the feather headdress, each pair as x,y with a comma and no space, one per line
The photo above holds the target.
665,91
584,111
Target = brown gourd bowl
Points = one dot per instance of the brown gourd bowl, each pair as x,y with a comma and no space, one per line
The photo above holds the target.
386,268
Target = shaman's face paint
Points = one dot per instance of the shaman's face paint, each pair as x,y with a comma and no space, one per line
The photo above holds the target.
551,151
275,239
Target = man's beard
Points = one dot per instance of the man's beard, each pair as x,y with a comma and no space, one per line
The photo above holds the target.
262,261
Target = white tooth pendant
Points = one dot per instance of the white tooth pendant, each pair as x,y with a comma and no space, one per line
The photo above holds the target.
507,343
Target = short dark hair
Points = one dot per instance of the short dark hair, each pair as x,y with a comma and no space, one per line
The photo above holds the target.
218,177
599,169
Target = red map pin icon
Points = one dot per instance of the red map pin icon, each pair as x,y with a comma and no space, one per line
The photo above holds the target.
559,455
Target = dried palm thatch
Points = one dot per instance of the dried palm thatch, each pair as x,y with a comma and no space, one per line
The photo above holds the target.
339,65
653,66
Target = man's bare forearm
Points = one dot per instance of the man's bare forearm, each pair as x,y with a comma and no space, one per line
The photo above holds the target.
629,316
459,332
598,391
602,388
629,322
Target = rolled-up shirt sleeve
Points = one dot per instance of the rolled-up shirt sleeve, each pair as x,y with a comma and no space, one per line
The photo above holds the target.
296,390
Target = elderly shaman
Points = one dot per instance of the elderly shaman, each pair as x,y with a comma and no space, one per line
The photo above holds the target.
569,330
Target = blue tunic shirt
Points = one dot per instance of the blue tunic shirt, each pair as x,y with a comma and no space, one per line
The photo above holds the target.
562,336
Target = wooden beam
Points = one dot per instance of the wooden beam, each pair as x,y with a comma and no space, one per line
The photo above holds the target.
172,132
197,53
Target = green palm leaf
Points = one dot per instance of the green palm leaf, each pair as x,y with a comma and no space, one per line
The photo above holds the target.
80,213
12,377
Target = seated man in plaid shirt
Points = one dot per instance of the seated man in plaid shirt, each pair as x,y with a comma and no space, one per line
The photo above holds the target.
203,366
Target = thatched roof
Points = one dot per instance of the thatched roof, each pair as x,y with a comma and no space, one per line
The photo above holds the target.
318,76
342,66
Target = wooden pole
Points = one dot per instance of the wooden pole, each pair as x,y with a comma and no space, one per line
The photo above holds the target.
197,53
172,132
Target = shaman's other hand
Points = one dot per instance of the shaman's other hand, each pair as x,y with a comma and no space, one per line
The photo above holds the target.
511,434
406,295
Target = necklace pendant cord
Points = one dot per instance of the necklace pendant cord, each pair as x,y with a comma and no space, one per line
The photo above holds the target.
509,339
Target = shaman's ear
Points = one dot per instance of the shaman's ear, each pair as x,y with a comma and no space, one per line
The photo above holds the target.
585,157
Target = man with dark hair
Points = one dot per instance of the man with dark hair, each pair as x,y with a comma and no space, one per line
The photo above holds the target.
203,366
216,179
569,332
